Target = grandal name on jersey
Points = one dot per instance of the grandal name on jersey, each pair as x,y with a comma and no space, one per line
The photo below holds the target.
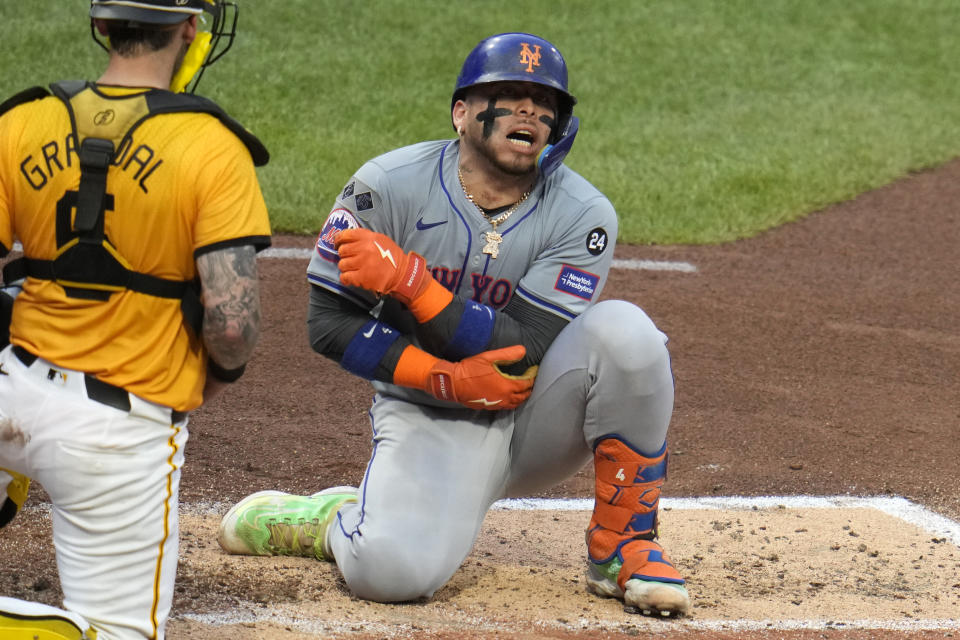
137,161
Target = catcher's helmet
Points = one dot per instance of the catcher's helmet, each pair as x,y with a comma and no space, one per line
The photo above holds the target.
518,57
212,41
146,11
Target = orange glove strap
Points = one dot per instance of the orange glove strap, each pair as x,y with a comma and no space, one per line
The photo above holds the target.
441,381
413,368
434,299
411,277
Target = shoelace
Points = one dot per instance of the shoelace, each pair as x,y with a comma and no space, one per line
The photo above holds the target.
282,532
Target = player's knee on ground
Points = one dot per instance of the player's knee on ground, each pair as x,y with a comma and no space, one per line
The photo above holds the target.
387,570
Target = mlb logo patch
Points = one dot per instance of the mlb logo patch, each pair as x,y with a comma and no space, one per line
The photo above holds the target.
338,220
577,283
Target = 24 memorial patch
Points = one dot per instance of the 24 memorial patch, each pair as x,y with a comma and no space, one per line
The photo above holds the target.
597,241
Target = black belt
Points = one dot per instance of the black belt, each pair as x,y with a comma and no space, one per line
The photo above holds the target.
97,390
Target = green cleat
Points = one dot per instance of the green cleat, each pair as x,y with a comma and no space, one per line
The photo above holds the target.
273,523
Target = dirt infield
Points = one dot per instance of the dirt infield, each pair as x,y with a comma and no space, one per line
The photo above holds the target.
818,359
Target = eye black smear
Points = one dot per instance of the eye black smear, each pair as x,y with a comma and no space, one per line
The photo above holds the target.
492,113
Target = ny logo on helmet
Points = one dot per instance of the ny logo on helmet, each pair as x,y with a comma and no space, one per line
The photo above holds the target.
528,57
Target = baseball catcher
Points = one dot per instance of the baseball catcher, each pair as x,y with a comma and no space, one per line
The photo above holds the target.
139,212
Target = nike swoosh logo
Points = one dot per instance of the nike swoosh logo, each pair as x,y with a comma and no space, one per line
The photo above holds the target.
385,253
369,334
423,226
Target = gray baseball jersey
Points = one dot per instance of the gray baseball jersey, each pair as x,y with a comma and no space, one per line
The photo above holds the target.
556,248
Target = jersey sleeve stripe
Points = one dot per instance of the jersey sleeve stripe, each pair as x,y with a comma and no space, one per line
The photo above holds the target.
259,243
337,288
544,304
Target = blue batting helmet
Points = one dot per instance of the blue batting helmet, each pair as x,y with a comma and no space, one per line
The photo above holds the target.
518,57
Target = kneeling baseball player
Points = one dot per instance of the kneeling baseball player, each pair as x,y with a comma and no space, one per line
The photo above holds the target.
462,278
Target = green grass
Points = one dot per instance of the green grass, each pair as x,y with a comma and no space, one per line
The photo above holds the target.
703,120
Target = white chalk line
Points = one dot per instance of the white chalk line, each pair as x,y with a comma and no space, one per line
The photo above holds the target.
402,630
275,252
639,265
897,507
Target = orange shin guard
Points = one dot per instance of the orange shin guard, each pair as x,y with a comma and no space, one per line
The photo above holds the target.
624,523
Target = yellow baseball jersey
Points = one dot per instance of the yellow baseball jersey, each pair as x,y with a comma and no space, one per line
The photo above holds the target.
183,186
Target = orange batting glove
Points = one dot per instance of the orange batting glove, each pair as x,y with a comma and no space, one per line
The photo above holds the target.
476,382
374,262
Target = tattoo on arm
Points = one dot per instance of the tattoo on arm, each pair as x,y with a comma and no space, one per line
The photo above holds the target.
231,301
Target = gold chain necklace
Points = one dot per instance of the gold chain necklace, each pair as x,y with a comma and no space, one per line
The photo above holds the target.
492,238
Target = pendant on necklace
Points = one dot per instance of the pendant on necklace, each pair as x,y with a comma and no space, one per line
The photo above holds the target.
492,248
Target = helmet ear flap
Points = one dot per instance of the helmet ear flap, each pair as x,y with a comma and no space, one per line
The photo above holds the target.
193,60
553,154
564,116
209,45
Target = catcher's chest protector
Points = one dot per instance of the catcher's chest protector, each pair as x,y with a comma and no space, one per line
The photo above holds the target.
89,266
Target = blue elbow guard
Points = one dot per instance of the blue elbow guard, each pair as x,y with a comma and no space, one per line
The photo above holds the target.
367,348
473,333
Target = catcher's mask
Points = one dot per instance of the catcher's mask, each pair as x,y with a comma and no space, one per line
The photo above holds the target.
524,57
216,29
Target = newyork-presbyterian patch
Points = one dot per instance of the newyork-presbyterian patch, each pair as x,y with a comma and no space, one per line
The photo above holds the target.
577,282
